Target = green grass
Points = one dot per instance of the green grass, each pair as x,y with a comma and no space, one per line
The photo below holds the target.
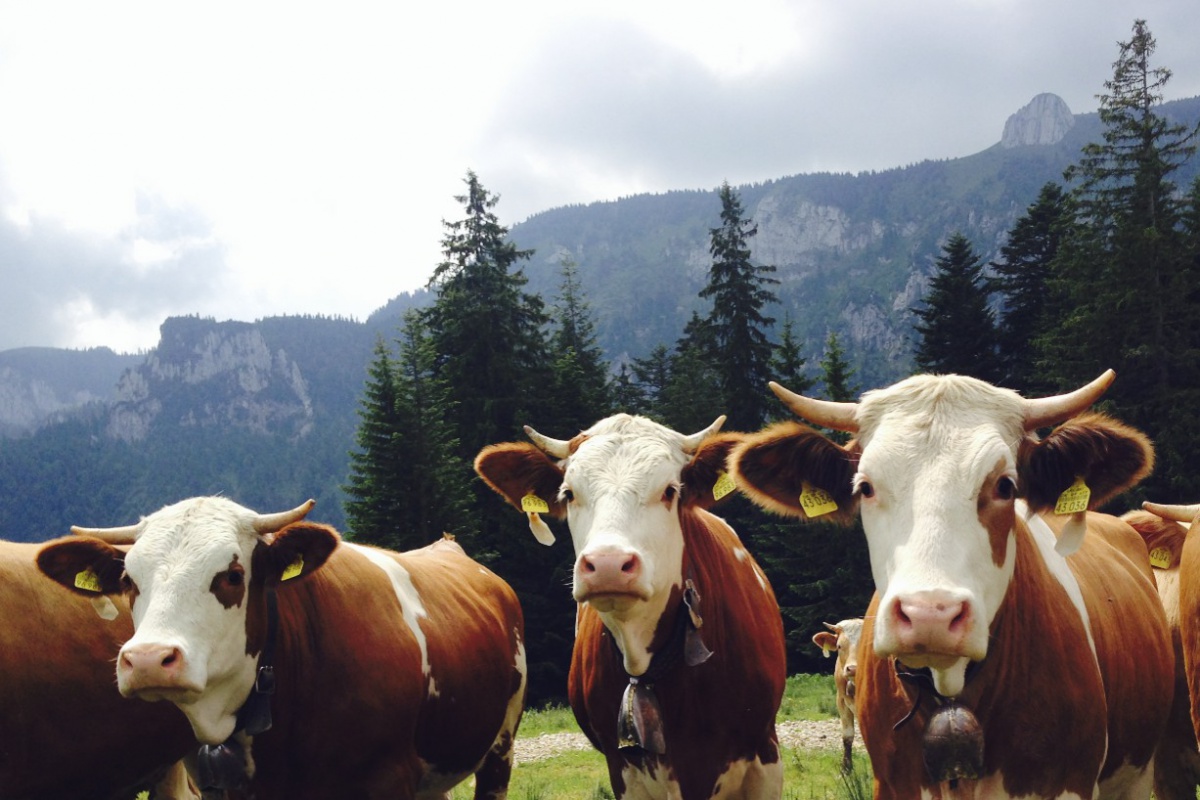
581,774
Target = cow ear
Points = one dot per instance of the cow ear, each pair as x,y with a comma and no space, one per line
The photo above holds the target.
706,477
297,551
1108,456
523,475
83,564
826,641
778,465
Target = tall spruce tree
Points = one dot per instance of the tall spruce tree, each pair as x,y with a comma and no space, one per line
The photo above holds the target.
836,372
1125,271
737,325
788,367
435,480
1021,277
486,329
957,328
581,390
374,496
491,352
692,397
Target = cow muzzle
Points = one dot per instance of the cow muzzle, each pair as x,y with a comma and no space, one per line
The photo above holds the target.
609,577
155,672
927,624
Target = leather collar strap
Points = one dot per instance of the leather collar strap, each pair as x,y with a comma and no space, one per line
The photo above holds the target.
639,719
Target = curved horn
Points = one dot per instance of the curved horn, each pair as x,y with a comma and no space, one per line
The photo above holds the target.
126,534
690,443
1053,410
269,523
1173,513
826,413
559,448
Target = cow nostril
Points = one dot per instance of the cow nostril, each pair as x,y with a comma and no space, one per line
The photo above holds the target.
629,566
171,658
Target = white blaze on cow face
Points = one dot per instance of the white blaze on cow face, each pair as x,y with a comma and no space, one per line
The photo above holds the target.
622,489
937,482
191,570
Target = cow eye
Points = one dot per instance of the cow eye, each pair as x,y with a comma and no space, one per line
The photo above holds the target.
568,495
669,493
1006,489
866,489
235,577
127,584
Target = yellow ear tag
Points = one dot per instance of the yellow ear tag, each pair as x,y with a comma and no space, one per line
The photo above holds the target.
293,569
1075,499
723,486
531,503
1160,557
88,580
816,502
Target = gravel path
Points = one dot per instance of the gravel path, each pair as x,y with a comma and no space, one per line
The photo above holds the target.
806,735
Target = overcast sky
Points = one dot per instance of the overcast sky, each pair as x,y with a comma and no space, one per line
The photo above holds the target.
241,160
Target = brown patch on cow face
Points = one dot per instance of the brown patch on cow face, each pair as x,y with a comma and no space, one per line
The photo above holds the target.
997,512
229,585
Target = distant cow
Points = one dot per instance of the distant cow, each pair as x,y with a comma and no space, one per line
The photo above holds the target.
997,666
679,666
1177,765
65,732
842,639
381,674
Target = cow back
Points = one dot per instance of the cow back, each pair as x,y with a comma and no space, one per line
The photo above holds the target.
353,695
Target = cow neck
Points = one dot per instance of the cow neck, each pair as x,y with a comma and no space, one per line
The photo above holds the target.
223,766
639,718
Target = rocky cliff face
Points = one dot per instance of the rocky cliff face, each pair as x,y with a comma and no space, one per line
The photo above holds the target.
41,384
213,374
1045,120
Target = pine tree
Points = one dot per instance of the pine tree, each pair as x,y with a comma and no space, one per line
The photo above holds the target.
486,329
788,362
373,497
653,375
692,396
957,328
1021,276
836,372
580,388
836,375
627,395
736,326
435,480
1125,270
491,352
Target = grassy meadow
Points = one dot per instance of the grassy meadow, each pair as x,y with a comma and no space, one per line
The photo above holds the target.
581,774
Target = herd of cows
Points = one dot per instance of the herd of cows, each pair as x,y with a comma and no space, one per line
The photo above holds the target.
1018,645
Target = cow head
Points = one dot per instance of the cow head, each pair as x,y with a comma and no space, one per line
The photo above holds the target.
935,472
194,575
622,485
842,638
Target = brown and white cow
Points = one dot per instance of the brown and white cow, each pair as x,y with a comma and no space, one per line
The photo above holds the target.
997,665
395,674
1165,529
842,638
678,667
65,731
